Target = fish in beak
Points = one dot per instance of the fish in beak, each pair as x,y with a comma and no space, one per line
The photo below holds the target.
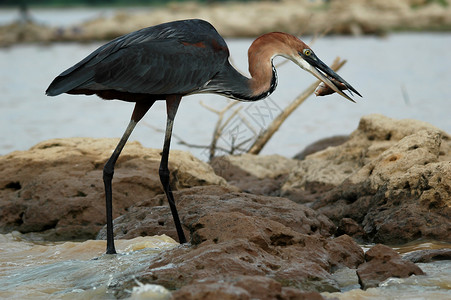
331,81
322,89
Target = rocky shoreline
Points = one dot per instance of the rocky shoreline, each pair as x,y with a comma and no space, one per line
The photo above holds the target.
250,19
261,227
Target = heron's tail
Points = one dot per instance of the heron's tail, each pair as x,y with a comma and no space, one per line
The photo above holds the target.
69,80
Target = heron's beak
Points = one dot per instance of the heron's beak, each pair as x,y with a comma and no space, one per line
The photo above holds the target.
321,71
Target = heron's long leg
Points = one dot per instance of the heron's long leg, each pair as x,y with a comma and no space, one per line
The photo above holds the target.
108,172
172,103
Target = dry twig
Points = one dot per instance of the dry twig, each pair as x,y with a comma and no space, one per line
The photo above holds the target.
263,138
217,132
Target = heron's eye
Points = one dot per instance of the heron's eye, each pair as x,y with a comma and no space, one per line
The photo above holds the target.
307,52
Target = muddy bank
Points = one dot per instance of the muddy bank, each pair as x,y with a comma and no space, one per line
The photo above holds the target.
251,19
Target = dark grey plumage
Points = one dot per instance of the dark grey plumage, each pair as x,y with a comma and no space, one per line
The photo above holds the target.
154,61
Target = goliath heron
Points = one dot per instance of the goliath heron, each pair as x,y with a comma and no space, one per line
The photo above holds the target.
171,60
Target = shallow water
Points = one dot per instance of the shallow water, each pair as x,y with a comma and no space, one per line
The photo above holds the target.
71,270
80,270
400,76
435,284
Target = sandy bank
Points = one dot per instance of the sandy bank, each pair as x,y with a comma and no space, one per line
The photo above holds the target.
254,18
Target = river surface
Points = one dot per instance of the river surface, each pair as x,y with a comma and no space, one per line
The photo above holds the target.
404,75
73,270
80,270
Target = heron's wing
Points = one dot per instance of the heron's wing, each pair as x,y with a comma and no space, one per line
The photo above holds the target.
168,58
156,67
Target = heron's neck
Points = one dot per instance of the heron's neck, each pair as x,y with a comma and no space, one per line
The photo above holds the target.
261,53
233,84
263,79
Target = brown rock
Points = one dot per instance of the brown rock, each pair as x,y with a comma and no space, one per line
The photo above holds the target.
245,287
212,290
381,263
321,145
261,287
314,176
329,168
259,166
256,174
425,256
398,190
302,264
219,227
236,237
56,187
200,204
352,228
295,294
343,253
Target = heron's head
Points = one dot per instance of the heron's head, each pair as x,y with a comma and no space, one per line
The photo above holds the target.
288,46
307,60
